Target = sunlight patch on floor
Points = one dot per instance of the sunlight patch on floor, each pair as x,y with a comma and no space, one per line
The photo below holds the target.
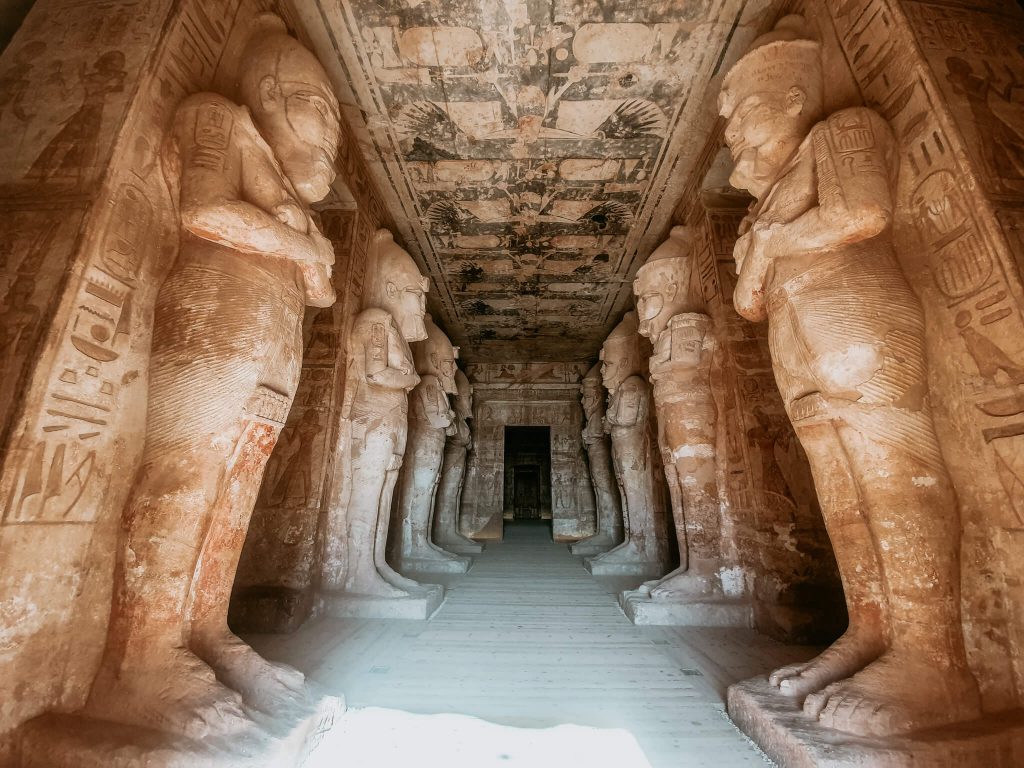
389,738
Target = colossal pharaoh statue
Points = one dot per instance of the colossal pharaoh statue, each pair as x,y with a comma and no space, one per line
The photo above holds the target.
431,419
816,258
453,475
606,494
645,549
357,580
680,370
227,343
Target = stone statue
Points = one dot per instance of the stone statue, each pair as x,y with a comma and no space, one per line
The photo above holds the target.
680,369
816,258
371,441
453,475
431,420
606,493
645,549
225,363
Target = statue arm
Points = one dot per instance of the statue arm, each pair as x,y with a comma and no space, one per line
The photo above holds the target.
208,133
434,402
854,188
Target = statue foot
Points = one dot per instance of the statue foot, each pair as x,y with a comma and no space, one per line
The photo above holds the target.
898,693
168,689
264,685
846,656
681,586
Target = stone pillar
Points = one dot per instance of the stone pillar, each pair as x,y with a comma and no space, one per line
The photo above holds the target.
645,549
684,345
599,464
453,475
431,420
215,405
356,579
819,257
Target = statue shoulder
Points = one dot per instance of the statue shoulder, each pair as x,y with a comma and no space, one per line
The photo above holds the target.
373,325
858,128
210,115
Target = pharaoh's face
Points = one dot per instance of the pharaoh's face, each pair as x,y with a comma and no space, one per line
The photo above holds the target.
763,132
300,121
655,293
609,371
591,399
464,403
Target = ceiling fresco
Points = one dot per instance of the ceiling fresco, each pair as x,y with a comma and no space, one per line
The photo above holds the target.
529,151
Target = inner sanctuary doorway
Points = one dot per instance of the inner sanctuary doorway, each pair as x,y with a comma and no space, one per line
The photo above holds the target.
527,473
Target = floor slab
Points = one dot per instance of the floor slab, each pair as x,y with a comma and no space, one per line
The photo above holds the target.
529,639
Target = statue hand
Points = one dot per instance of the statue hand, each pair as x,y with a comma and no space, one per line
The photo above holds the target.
291,215
322,249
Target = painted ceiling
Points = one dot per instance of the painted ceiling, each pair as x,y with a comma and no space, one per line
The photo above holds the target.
530,151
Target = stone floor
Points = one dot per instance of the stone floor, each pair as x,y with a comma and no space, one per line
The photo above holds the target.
529,639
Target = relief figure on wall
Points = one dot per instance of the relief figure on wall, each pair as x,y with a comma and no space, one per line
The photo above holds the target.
606,493
453,475
816,259
683,342
225,363
380,373
431,420
644,551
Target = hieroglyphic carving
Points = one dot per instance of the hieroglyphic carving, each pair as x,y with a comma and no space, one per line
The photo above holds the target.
945,112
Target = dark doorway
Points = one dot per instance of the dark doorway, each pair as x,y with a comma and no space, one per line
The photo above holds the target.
527,473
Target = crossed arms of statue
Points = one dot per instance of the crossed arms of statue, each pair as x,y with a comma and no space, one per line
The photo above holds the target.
232,191
846,163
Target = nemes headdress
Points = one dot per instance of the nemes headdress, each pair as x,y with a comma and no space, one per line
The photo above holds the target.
785,57
670,261
623,344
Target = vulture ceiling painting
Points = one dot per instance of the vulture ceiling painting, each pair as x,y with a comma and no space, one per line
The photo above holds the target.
530,151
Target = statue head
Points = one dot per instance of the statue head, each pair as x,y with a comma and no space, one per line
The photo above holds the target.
393,283
620,354
293,106
592,390
770,99
662,283
464,398
436,355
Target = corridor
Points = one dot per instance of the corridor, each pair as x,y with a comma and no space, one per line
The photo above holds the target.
529,639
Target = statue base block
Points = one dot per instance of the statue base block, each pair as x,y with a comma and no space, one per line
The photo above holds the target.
777,724
435,565
594,545
342,605
75,741
462,547
640,568
643,611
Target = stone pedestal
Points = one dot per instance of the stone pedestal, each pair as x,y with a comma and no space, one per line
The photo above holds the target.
779,727
593,545
345,605
721,612
72,741
428,565
602,566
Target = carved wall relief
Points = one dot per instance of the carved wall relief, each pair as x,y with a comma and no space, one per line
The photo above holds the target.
952,113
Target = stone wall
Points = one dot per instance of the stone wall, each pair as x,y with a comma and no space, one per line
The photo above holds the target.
535,394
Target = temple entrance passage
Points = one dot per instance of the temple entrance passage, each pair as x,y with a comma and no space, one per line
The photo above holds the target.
527,473
529,640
